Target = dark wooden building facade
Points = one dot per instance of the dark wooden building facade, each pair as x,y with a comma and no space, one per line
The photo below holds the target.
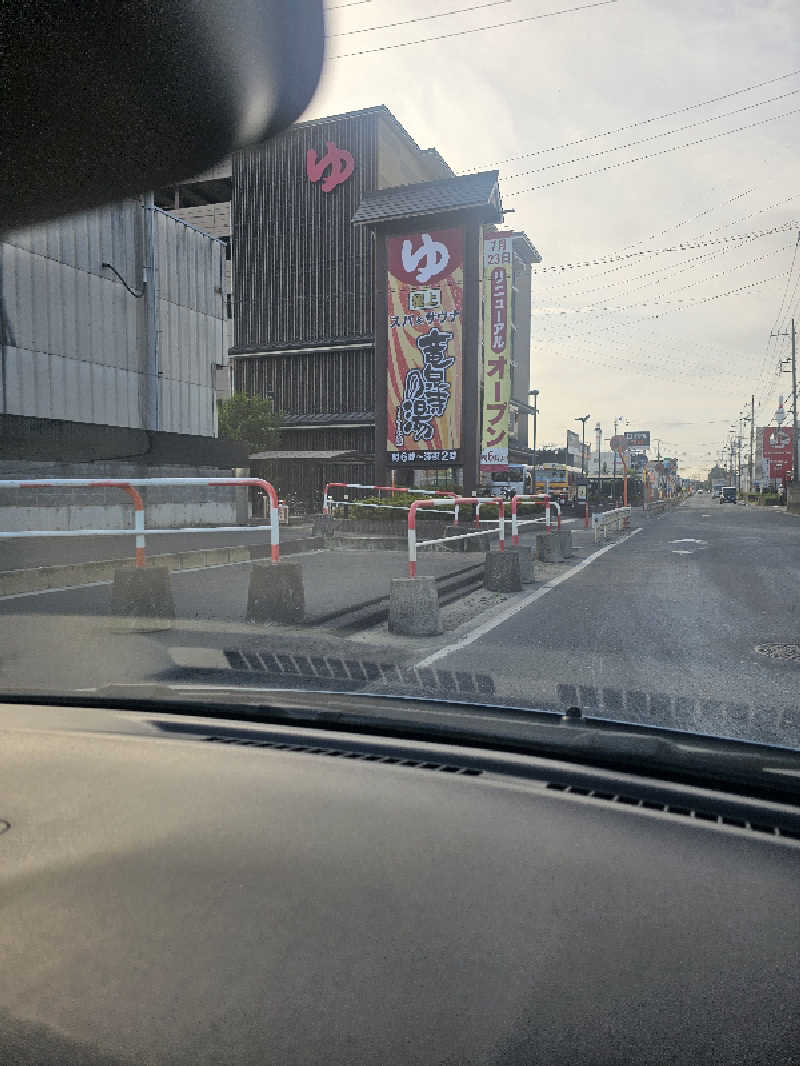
303,279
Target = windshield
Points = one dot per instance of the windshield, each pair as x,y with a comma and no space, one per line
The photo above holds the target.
251,417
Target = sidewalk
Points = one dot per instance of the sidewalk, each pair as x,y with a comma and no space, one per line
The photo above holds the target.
30,552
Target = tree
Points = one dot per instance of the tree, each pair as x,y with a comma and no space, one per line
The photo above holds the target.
251,419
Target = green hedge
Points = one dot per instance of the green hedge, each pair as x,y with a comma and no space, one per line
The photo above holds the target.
401,499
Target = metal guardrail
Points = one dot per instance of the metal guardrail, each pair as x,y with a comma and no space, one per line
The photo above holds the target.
130,485
328,502
537,497
463,500
619,519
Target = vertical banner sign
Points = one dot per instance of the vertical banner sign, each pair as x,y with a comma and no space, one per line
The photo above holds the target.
776,448
496,349
425,291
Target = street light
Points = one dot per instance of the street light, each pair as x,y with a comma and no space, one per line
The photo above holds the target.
583,422
535,394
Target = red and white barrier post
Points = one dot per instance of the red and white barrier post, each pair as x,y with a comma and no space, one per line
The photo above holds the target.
326,496
412,524
530,498
132,484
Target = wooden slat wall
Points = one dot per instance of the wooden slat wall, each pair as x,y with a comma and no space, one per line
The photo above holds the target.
302,272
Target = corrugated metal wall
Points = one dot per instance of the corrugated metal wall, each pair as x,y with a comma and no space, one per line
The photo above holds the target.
335,381
72,331
191,315
301,271
74,336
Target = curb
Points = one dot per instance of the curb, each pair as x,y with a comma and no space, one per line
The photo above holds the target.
72,575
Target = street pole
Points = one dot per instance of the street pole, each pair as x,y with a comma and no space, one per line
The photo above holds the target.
752,439
795,452
535,394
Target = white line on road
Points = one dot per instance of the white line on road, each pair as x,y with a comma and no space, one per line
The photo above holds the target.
519,605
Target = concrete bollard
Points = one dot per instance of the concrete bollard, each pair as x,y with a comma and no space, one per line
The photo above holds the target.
502,573
414,607
526,567
476,544
548,548
323,527
455,531
565,536
142,597
275,593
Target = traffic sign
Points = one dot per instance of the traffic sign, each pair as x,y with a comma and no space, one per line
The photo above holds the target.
638,438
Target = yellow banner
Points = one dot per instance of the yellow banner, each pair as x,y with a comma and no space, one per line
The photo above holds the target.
497,263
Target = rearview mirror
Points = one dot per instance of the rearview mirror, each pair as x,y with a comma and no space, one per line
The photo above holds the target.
104,100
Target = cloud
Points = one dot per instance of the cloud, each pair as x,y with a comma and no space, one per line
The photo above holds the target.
489,96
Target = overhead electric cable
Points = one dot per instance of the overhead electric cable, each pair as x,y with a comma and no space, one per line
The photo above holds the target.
476,29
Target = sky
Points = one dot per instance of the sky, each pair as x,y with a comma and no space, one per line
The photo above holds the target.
657,339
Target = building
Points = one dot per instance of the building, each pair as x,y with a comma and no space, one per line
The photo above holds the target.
111,335
204,202
302,280
84,339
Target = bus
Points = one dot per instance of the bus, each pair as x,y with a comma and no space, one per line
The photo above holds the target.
559,481
515,481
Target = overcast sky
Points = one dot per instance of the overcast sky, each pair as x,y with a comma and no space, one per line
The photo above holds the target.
606,340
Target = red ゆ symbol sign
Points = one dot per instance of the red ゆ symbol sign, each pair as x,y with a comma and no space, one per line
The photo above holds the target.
337,160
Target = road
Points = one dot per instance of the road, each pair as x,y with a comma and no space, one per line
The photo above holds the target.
661,626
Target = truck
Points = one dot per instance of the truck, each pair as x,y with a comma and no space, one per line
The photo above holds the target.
717,485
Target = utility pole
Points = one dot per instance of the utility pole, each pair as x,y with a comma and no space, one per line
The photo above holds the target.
795,450
535,394
752,440
583,420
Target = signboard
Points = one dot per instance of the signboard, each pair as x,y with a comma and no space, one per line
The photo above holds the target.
620,443
638,438
425,289
581,492
776,450
497,263
332,168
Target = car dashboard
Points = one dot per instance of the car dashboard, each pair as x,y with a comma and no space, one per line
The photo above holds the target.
190,891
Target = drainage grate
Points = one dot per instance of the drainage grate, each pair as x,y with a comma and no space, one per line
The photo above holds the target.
344,753
717,817
785,652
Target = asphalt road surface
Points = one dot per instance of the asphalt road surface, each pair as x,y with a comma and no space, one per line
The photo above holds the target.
690,622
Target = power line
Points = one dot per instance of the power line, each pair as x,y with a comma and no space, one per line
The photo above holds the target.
653,155
654,137
640,122
681,247
692,218
681,304
350,3
420,18
476,29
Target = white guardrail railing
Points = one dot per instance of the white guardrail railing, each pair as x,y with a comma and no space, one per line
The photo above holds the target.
618,519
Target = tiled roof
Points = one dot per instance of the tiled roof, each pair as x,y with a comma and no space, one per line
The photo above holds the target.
433,197
342,418
298,456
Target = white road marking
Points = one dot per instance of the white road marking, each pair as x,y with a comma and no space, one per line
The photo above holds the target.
689,540
519,605
681,551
